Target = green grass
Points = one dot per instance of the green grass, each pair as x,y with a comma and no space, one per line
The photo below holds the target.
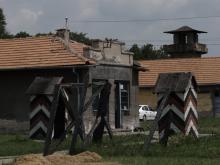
12,145
18,145
209,125
129,149
165,161
179,151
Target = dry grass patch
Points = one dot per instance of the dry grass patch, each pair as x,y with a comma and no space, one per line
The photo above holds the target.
89,158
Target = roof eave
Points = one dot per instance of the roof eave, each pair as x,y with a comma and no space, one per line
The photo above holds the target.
45,67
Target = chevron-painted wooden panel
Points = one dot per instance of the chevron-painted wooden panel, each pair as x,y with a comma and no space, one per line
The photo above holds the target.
179,114
39,115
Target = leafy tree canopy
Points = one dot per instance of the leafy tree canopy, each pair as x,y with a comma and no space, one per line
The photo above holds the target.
147,52
43,34
2,24
80,37
22,34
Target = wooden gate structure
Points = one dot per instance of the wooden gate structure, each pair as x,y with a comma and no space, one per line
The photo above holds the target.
59,91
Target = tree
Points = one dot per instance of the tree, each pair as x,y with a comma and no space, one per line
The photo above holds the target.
148,52
3,31
2,24
137,52
22,34
80,37
43,34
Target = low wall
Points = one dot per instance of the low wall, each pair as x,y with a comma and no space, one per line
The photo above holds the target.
13,127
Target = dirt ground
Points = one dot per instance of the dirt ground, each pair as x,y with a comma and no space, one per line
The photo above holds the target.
89,158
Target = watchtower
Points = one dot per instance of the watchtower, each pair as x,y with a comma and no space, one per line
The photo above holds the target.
185,43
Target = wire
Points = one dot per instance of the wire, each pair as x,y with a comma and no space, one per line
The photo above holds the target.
158,45
167,40
141,20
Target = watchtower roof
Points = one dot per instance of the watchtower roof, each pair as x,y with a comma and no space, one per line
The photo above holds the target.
184,29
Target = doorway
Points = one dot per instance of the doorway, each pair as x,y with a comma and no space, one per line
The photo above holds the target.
121,102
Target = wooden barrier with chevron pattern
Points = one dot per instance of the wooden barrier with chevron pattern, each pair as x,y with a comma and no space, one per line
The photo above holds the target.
41,96
179,114
39,115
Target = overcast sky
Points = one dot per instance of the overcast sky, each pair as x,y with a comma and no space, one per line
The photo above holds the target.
34,16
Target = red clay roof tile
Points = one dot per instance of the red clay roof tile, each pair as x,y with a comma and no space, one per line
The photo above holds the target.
35,52
206,70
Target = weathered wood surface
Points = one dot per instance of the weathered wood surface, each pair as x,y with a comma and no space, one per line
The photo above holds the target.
155,122
43,85
76,114
51,122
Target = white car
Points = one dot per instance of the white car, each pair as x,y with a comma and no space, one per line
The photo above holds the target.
146,113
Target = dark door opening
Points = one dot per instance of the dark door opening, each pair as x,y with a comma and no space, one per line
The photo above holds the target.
118,123
121,102
59,123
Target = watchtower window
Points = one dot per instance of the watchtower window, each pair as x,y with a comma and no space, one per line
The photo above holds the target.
186,39
183,39
196,38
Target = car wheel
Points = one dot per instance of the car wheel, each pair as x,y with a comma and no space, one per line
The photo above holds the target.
144,117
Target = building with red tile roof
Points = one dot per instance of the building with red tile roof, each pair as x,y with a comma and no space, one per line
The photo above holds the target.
39,52
23,59
205,69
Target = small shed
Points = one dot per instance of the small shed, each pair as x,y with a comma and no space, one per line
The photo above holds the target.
41,93
179,114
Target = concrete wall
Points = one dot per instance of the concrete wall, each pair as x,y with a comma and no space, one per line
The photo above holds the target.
114,74
112,52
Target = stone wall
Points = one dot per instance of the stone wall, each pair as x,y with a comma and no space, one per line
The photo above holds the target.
13,126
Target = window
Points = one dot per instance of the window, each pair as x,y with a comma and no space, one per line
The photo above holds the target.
145,108
124,95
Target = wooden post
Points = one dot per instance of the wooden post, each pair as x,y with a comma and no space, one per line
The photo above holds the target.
52,118
155,122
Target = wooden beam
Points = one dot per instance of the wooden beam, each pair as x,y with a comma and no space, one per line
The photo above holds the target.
154,124
53,111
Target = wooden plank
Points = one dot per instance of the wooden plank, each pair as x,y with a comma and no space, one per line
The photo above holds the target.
63,136
67,105
43,85
84,90
79,122
76,85
51,121
154,124
88,138
92,98
74,141
108,128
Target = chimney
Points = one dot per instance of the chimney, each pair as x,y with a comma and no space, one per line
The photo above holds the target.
64,33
